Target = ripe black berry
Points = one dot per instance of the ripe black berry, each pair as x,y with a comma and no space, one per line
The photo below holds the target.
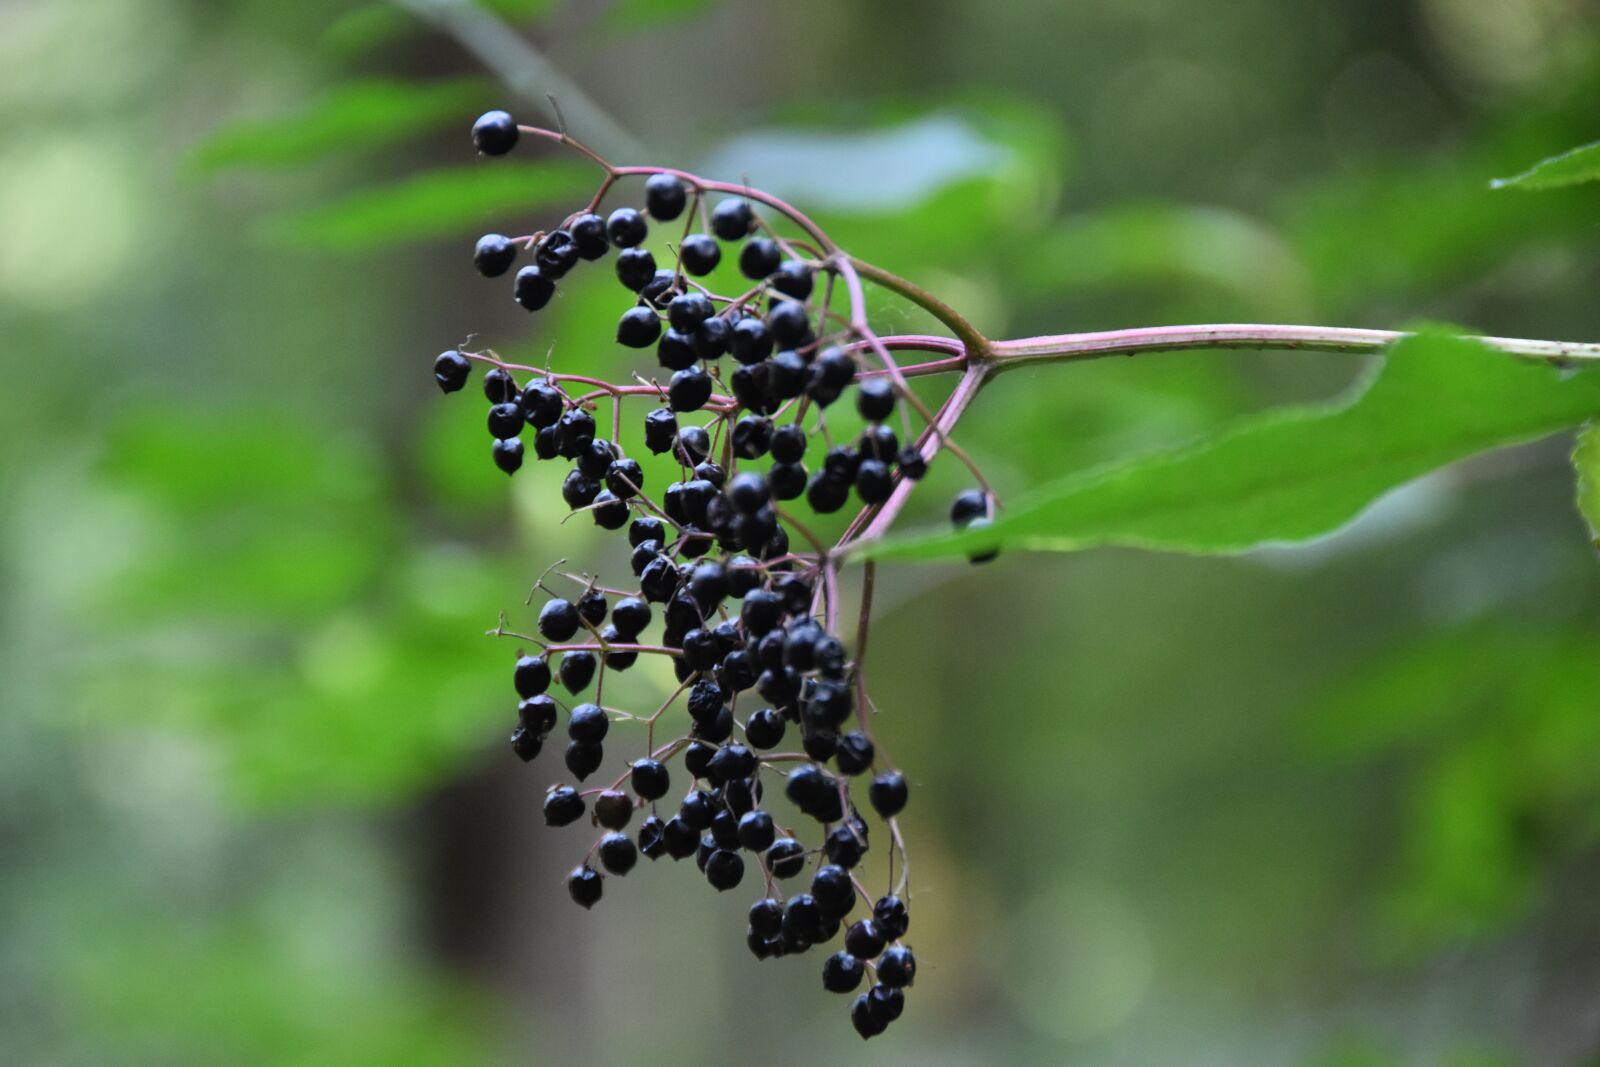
885,1003
766,917
578,489
613,809
793,278
862,940
508,454
505,420
495,133
789,443
592,607
832,889
752,436
638,328
635,267
875,399
626,228
874,483
499,386
897,967
494,255
680,840
538,714
711,339
556,253
751,342
700,254
846,844
541,405
583,760
891,917
968,505
911,463
803,920
650,779
574,431
532,676
660,430
659,580
577,670
617,661
618,853
786,858
855,753
732,219
533,288
888,793
630,616
659,289
589,234
558,619
563,806
688,310
587,723
756,831
788,323
764,729
624,478
841,973
697,757
861,1017
694,445
526,744
748,492
584,886
664,197
689,389
609,512
724,869
759,258
826,493
451,370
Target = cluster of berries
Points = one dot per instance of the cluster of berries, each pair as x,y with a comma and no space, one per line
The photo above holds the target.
737,607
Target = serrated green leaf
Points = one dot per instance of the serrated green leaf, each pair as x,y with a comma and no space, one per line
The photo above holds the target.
357,115
1569,168
437,203
1292,474
1586,461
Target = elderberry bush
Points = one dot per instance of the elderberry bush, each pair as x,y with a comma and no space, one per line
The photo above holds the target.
761,766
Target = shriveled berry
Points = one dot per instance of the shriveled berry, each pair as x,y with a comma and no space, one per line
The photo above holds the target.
660,430
652,837
724,869
700,254
732,219
626,228
495,133
659,289
842,972
526,744
494,255
556,253
574,430
638,328
584,886
563,806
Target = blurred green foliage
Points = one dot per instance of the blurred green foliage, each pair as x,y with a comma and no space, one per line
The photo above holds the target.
1325,805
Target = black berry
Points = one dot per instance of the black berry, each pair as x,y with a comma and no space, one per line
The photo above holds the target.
626,228
584,886
533,288
494,255
700,254
664,197
563,806
732,219
495,133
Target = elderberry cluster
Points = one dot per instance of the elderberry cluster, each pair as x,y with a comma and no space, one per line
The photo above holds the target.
716,584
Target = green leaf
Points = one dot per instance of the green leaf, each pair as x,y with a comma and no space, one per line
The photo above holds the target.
1569,168
363,29
1296,473
1586,460
357,115
437,203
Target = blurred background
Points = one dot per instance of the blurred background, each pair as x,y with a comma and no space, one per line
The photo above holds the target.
1334,804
